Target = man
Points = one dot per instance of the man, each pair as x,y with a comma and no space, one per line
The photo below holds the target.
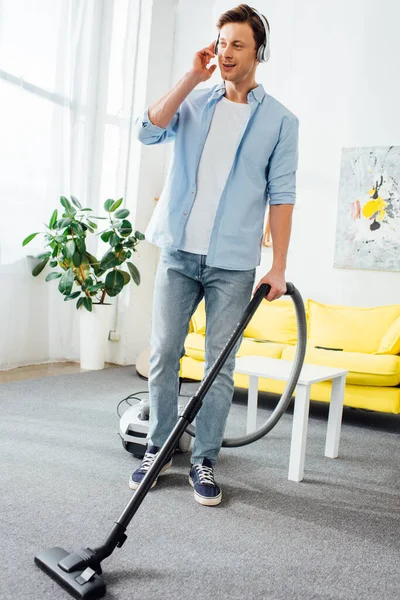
235,146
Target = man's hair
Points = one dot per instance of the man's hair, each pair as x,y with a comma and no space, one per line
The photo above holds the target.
245,14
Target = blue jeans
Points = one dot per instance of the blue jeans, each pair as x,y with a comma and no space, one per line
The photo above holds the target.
182,280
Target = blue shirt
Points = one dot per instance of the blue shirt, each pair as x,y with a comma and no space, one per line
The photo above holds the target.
264,168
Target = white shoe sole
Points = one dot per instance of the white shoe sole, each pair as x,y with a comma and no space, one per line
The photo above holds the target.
134,485
206,501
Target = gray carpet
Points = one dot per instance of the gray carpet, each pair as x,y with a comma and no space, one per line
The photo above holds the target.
64,478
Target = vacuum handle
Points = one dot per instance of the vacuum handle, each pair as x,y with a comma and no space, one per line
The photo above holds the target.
265,287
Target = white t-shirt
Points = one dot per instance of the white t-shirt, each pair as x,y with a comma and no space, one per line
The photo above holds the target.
227,126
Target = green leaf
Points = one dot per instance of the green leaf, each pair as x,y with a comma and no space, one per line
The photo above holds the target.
116,205
134,272
39,268
114,239
77,259
66,282
76,202
114,282
66,203
80,302
86,209
139,235
72,296
53,275
126,277
43,255
130,243
70,248
109,260
77,227
53,219
88,282
80,245
94,225
87,303
92,260
123,213
53,263
30,238
126,228
108,204
63,223
96,287
106,236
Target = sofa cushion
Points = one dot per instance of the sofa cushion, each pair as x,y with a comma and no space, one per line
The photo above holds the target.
274,321
195,344
390,343
349,328
364,369
198,320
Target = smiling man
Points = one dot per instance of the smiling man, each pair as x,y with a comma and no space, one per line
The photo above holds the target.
235,149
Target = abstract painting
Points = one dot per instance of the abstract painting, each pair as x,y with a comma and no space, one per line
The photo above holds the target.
368,220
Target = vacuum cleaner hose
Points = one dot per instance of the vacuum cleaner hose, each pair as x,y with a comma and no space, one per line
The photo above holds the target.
286,397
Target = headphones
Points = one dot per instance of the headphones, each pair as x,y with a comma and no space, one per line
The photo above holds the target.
264,51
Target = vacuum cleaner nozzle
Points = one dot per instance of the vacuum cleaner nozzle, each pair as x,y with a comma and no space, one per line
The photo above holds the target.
84,583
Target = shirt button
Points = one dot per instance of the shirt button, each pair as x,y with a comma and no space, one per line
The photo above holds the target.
185,213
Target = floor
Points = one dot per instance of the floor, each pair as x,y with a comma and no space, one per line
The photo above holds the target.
44,370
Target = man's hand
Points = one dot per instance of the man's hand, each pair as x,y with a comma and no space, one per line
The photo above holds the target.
200,63
276,279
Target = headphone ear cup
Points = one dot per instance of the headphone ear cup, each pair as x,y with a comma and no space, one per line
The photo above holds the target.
216,46
261,53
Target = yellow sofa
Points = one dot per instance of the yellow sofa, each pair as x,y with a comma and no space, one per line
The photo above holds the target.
365,341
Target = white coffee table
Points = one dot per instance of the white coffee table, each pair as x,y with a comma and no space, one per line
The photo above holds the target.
273,368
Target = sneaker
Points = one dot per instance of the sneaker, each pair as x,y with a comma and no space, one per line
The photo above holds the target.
206,491
148,460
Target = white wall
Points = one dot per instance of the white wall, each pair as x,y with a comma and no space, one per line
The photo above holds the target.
335,65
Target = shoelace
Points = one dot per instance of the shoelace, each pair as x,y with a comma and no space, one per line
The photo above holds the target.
206,475
147,461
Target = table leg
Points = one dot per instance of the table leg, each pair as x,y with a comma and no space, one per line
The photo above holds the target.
299,433
335,417
252,401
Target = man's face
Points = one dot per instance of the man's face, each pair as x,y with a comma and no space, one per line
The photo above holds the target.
237,47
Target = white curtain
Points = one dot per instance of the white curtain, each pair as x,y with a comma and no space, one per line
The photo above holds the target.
67,73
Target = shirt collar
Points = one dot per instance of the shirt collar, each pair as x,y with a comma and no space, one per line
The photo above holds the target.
258,92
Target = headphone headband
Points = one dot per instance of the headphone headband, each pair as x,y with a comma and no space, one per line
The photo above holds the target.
264,51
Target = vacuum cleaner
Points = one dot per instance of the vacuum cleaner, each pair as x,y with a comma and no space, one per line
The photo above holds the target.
80,572
134,426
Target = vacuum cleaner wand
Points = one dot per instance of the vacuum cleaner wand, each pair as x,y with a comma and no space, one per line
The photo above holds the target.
79,572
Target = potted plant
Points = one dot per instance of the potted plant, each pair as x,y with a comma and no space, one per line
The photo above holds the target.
89,280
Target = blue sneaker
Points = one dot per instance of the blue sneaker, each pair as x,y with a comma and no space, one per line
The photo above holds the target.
148,460
206,491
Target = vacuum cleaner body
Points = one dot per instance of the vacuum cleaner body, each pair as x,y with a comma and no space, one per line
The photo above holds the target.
134,428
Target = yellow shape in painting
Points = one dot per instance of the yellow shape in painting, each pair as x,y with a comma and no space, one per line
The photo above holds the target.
374,206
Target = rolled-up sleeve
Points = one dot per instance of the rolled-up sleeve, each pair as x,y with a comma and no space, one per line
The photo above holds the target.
282,166
148,133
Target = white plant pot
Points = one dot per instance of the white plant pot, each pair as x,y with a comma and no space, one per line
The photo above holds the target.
94,329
